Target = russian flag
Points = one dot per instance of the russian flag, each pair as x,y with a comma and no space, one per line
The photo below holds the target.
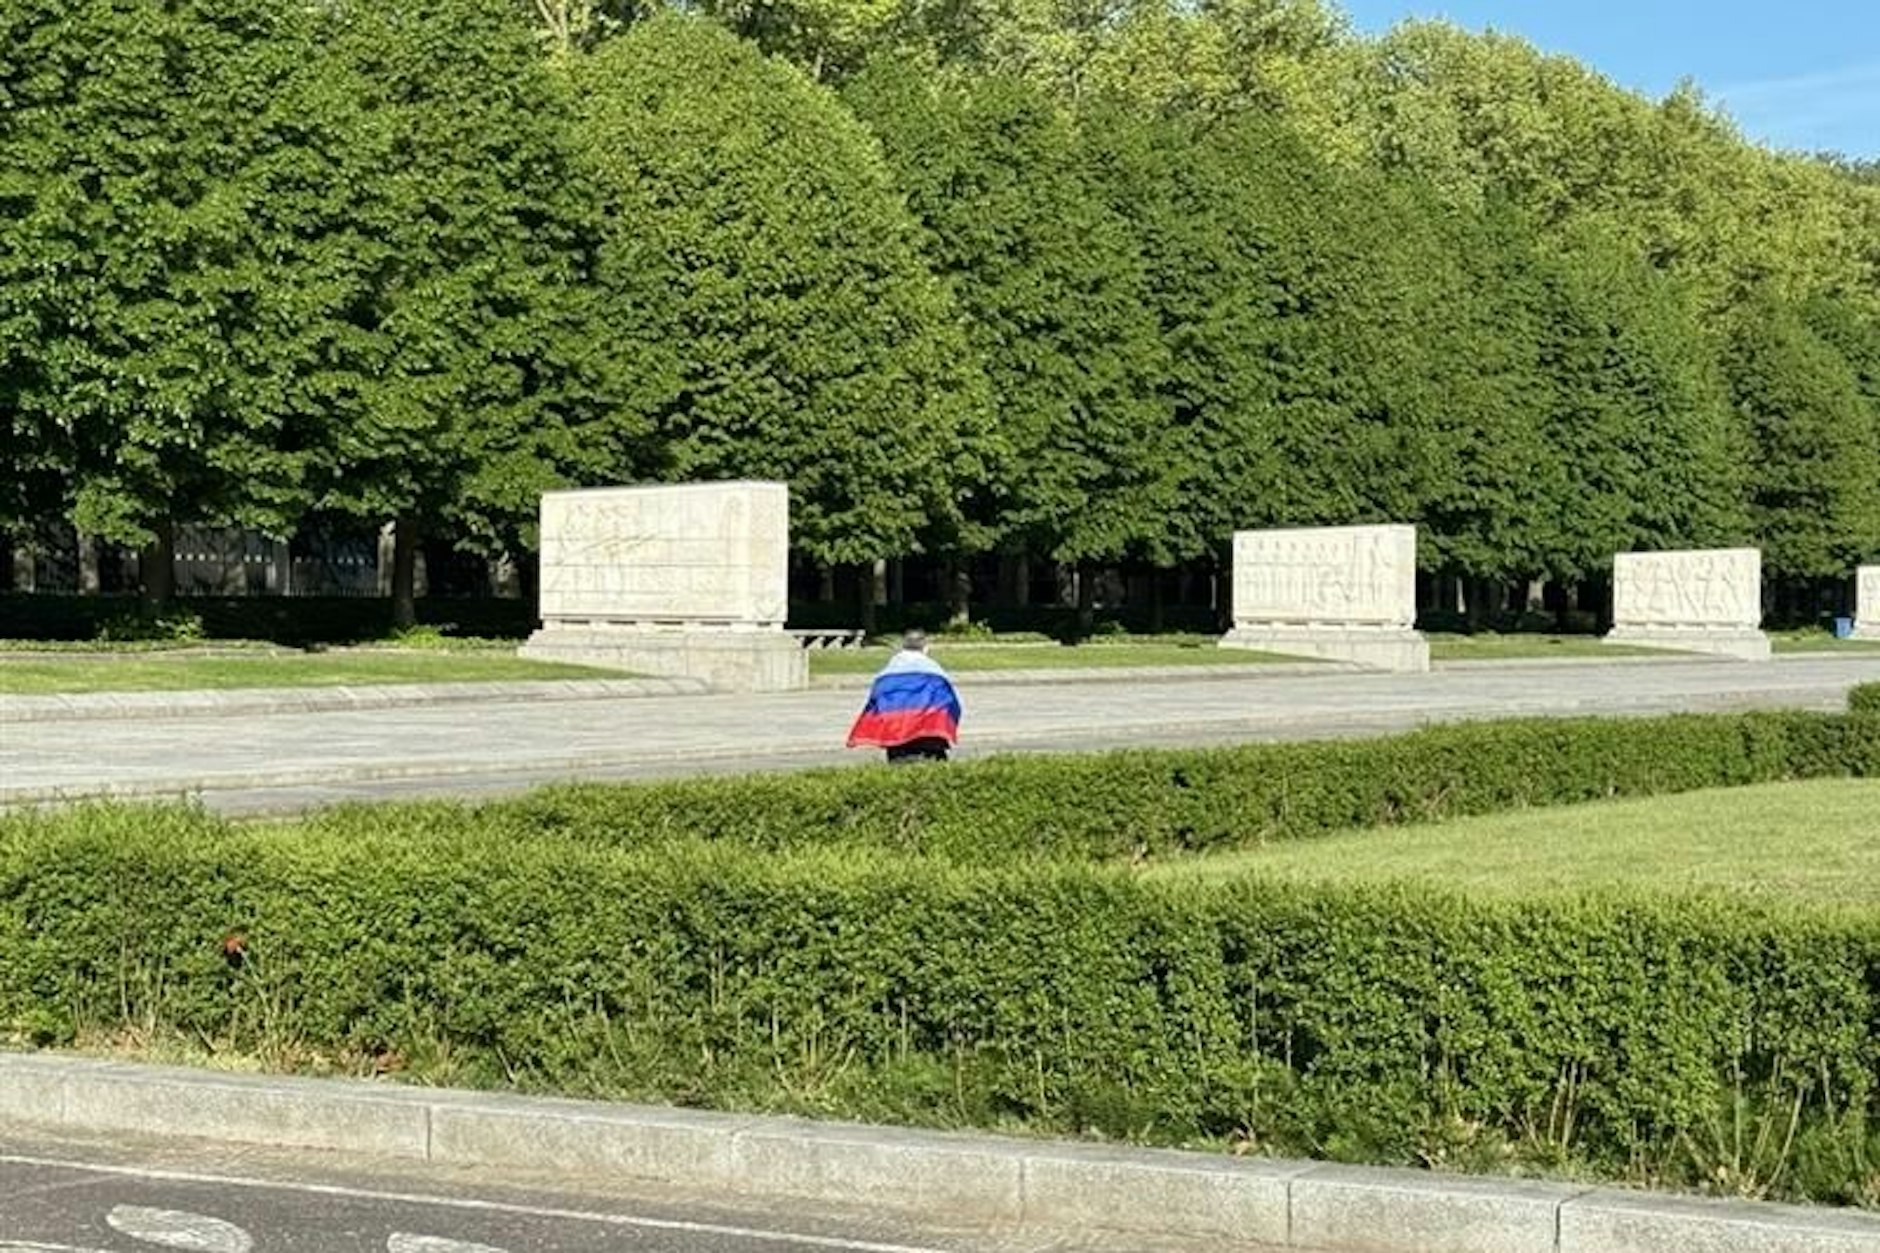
911,699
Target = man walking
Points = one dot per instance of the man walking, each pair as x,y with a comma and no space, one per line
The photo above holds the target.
912,710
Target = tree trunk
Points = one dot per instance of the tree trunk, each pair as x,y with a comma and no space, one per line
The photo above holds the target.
88,581
1086,600
1596,597
156,567
529,579
874,595
1480,593
404,574
1014,580
826,584
959,594
1221,591
1155,602
25,568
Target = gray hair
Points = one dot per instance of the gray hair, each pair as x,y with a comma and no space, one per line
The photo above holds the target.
914,641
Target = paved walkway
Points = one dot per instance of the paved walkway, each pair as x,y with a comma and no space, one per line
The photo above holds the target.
293,759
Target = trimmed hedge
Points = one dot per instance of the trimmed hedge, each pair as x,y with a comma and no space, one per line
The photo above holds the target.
1153,803
1654,1040
1864,700
973,947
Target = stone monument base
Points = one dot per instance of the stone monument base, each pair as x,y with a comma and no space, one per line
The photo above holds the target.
728,659
1744,645
1378,648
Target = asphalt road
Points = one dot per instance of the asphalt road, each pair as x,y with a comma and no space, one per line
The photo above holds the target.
68,1196
290,760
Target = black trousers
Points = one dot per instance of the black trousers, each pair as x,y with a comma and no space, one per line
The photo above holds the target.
932,748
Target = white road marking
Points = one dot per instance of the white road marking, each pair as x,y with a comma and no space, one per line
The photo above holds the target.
404,1242
466,1203
175,1229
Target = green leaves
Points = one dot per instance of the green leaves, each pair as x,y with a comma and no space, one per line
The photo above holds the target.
1098,285
138,345
1017,222
813,944
755,248
468,370
1815,424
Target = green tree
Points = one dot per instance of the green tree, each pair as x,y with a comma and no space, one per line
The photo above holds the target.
1053,286
157,286
1207,207
754,235
1481,115
1850,327
1816,454
1336,355
1639,417
474,370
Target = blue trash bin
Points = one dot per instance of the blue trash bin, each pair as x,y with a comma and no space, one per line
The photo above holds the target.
1843,628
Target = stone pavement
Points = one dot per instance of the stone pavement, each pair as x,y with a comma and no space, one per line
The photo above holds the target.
290,759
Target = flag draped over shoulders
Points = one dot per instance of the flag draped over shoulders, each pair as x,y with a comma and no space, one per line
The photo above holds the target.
911,699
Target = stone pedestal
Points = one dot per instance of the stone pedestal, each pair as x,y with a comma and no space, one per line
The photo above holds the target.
1867,603
686,581
1372,648
1741,645
726,659
1335,593
1697,601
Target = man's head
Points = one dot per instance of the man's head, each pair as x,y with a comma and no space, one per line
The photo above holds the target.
914,641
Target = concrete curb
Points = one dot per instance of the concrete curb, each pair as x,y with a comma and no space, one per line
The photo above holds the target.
81,706
942,1176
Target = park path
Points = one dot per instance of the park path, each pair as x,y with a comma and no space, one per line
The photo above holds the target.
287,760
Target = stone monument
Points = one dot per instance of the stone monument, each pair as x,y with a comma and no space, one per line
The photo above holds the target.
1343,593
1867,603
689,581
1701,601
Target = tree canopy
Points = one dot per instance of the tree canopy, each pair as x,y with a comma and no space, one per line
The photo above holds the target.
756,249
1090,284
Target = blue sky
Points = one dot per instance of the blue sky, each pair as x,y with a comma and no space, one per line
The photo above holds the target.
1804,75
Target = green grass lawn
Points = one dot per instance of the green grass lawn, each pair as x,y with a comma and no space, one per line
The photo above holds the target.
966,658
1820,642
1489,646
155,672
1818,840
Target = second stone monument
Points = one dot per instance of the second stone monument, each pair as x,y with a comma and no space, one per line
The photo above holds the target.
1706,600
1867,603
687,581
1342,593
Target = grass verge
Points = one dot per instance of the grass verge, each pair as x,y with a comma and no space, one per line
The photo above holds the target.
1524,646
175,672
1820,642
1817,840
971,658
